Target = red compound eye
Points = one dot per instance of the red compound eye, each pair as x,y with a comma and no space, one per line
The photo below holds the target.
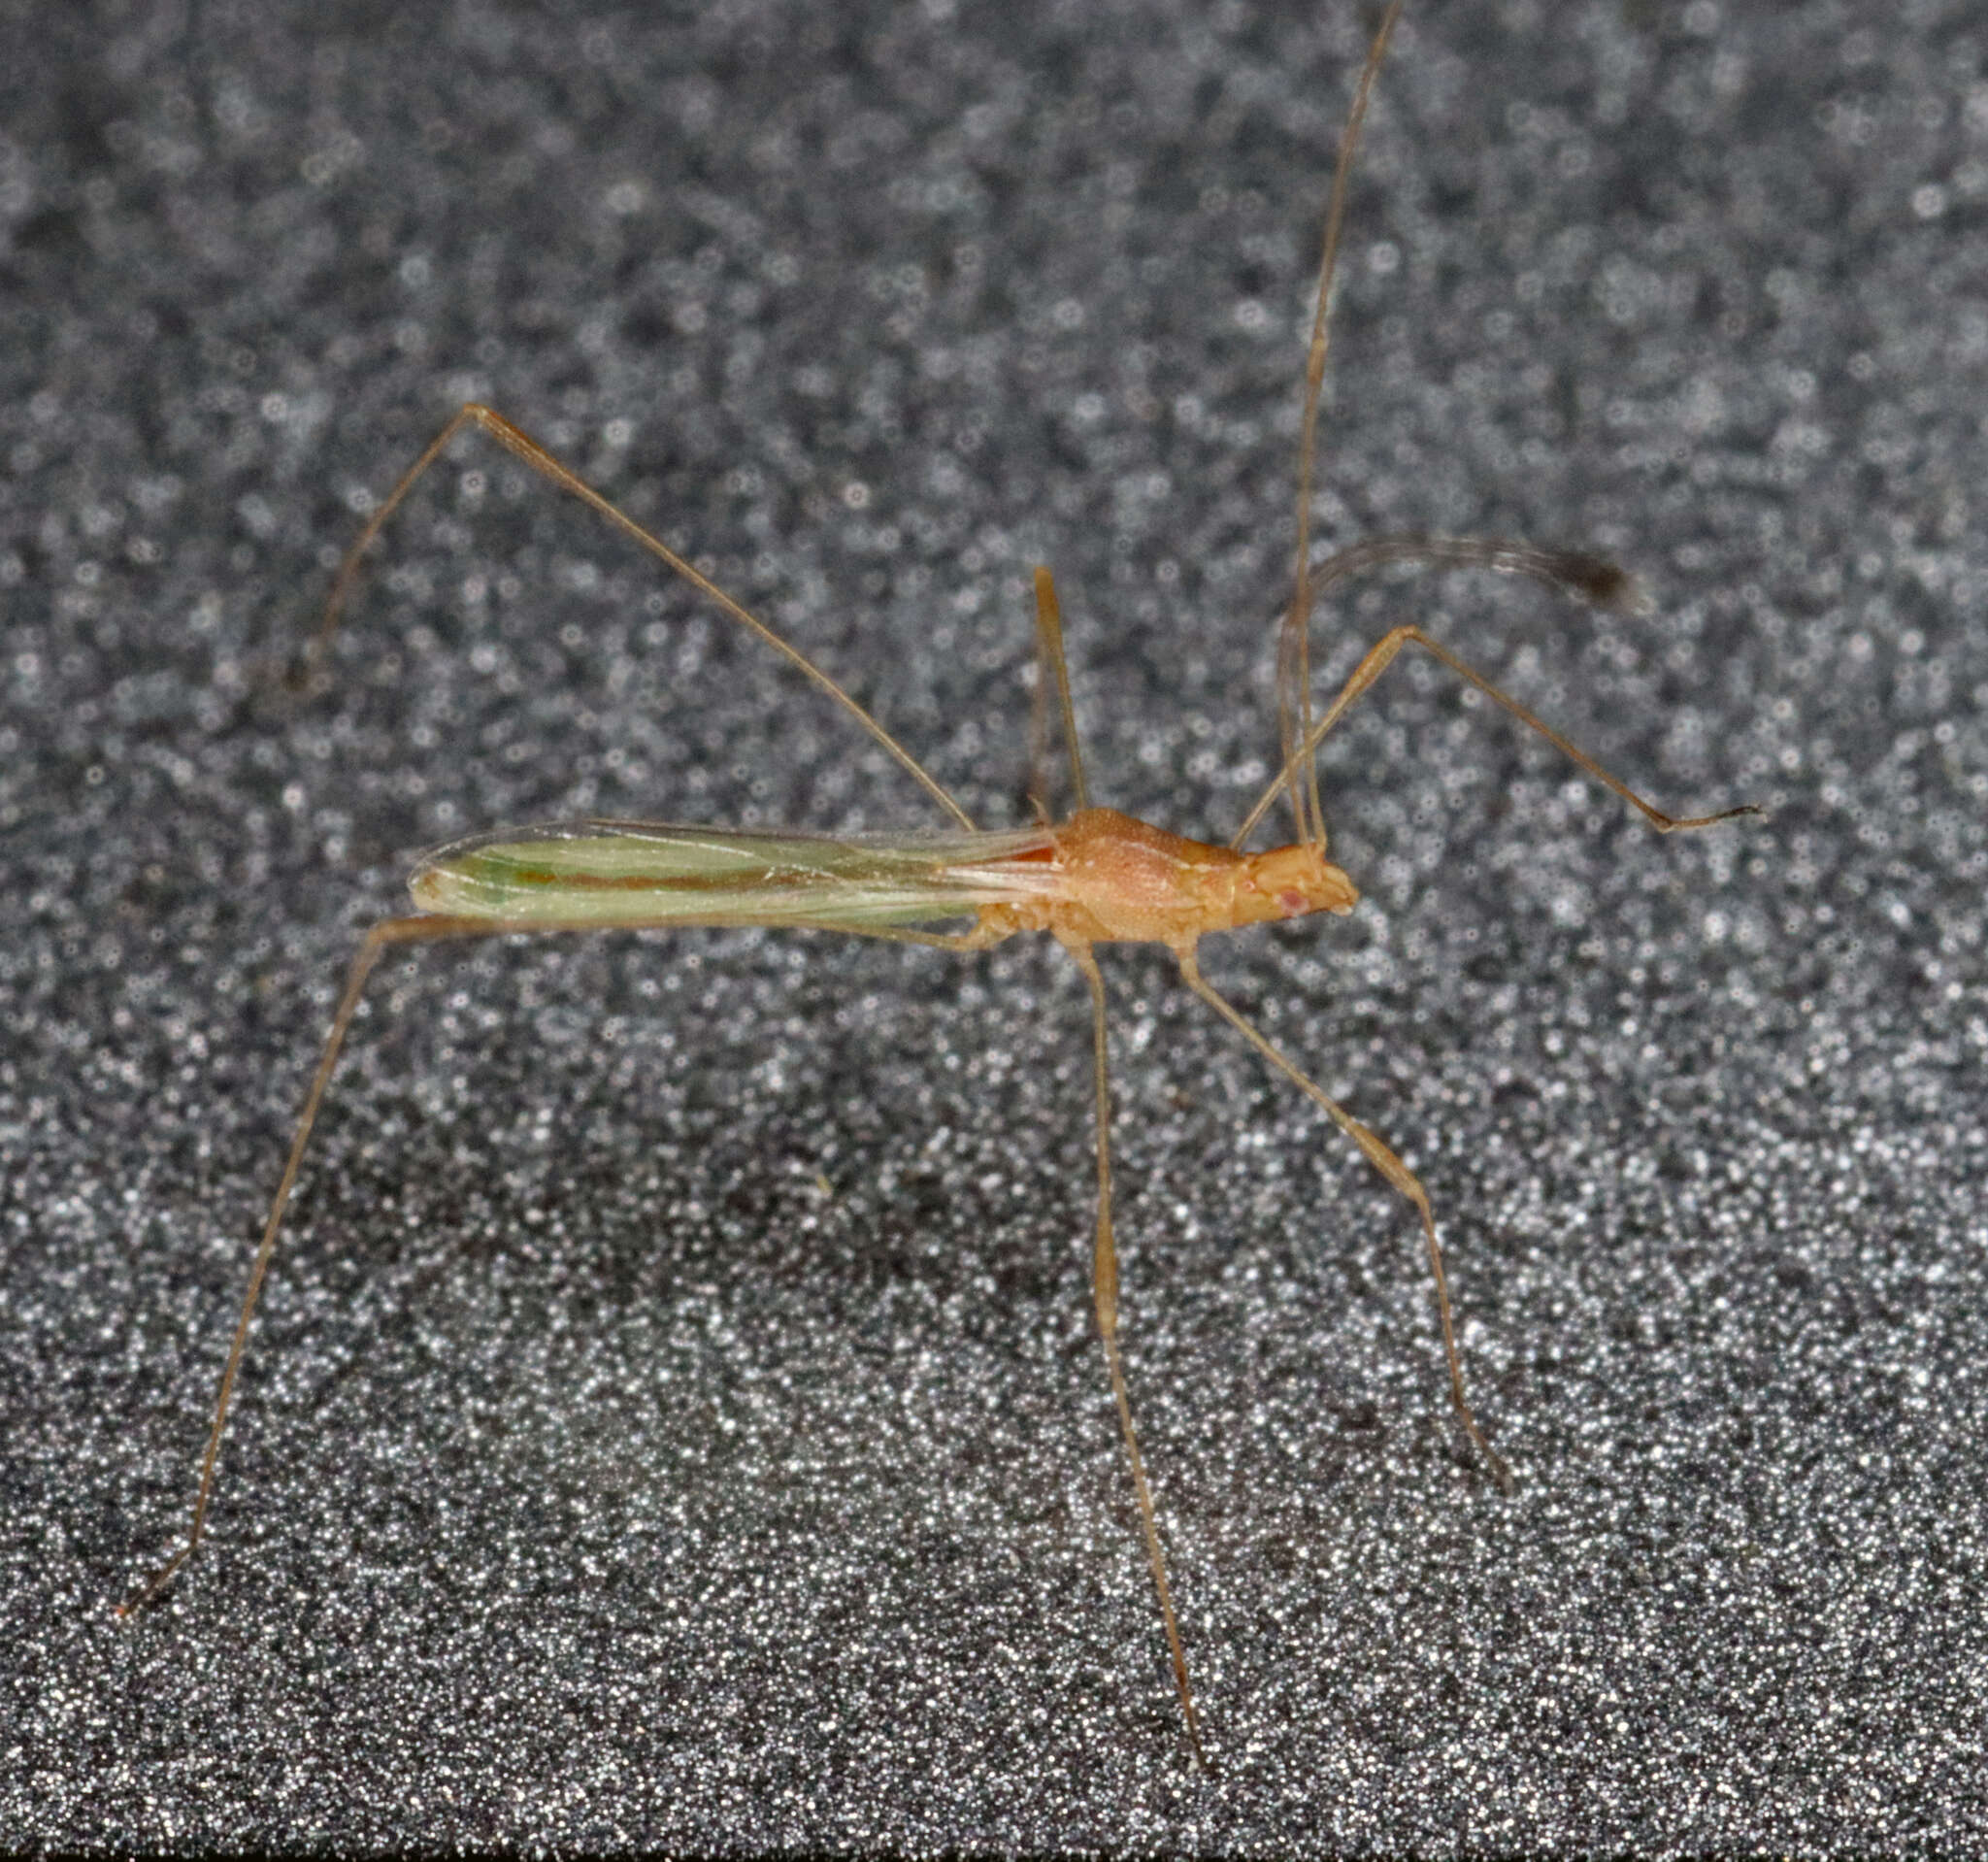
1293,903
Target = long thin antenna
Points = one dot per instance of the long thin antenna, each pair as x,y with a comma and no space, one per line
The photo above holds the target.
1586,577
1383,654
1052,667
1294,654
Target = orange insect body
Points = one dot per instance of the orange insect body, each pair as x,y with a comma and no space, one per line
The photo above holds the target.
1122,880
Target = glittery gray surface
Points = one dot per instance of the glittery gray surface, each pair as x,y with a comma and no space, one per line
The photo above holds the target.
674,1415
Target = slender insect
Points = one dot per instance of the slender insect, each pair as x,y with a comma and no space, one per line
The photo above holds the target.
1096,877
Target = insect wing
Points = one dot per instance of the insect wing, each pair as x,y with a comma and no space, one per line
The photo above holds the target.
658,873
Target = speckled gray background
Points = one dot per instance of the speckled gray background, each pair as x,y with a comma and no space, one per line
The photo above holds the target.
597,1477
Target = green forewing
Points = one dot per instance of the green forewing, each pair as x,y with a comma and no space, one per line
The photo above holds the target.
657,872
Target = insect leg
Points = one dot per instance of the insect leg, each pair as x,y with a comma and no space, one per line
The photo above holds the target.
391,931
1389,1166
521,446
1105,1293
1383,655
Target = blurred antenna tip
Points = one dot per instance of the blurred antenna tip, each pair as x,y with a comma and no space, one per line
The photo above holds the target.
1607,585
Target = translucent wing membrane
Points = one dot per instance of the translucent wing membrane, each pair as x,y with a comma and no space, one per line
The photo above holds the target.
657,872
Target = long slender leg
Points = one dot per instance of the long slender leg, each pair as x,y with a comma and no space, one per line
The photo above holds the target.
1052,667
1586,577
1389,1166
1105,1294
520,445
1378,660
391,931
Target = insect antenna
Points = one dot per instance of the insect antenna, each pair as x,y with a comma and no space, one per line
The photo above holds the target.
1294,653
1590,578
1051,668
